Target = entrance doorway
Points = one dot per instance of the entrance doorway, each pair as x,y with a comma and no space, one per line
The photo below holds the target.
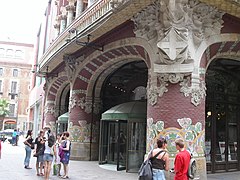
114,143
222,116
123,136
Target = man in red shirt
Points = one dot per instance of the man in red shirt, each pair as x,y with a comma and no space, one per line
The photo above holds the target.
181,162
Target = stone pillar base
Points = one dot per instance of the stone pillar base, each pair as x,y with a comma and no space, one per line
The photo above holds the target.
81,151
201,168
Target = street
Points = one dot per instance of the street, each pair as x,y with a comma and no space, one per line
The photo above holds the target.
12,168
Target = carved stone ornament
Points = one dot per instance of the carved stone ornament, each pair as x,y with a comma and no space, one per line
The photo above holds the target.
70,68
117,4
197,93
172,78
176,28
49,109
84,104
153,92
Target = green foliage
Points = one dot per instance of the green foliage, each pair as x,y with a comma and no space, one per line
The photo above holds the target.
4,109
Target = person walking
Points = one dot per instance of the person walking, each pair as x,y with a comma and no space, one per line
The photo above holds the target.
39,151
181,162
0,148
49,152
160,160
28,147
14,137
57,162
65,149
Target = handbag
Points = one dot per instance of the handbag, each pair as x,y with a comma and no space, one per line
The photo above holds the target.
145,171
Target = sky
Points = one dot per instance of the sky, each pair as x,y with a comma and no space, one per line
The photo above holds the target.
21,19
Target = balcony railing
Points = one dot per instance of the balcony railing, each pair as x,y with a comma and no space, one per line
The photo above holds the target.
83,24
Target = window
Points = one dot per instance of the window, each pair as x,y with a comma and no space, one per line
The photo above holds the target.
1,71
2,52
1,86
15,72
11,110
9,53
19,54
14,87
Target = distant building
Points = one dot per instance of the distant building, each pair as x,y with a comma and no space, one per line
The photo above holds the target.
15,68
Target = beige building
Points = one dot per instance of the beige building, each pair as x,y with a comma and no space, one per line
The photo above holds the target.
15,69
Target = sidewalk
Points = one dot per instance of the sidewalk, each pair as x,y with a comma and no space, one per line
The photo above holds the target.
11,168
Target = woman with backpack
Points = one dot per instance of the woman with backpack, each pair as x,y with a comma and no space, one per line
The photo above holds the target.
160,160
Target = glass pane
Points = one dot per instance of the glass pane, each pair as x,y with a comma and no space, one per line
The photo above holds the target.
232,148
208,128
122,140
112,150
136,146
220,132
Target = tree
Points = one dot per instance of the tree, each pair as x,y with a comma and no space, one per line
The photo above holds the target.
4,111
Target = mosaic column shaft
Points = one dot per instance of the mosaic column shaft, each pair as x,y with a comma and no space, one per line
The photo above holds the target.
175,116
83,129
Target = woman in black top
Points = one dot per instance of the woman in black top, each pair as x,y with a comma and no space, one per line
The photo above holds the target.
28,147
39,151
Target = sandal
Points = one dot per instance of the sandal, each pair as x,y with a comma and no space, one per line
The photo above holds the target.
41,174
64,177
38,174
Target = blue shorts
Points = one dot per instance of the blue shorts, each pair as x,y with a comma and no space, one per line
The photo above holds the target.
158,174
48,157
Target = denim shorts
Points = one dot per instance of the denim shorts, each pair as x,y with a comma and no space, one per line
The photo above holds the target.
158,174
48,157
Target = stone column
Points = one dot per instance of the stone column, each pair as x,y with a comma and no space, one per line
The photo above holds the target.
177,110
83,128
57,25
79,8
70,10
63,19
90,2
50,115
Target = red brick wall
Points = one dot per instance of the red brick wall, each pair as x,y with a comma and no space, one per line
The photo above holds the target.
173,105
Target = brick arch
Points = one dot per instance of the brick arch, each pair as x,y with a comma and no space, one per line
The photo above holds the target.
55,88
53,93
228,50
223,45
114,56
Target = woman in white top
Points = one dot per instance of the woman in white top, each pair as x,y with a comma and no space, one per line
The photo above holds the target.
49,152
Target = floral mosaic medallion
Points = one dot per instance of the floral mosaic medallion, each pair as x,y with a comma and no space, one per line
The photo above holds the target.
82,133
193,135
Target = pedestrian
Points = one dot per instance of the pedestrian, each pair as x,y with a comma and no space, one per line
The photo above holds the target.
28,147
14,137
0,148
49,152
17,137
65,149
160,159
39,151
58,163
181,162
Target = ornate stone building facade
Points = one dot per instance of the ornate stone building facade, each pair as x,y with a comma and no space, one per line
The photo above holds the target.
104,52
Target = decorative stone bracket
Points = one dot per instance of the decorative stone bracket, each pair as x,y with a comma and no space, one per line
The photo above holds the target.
85,104
155,91
197,92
